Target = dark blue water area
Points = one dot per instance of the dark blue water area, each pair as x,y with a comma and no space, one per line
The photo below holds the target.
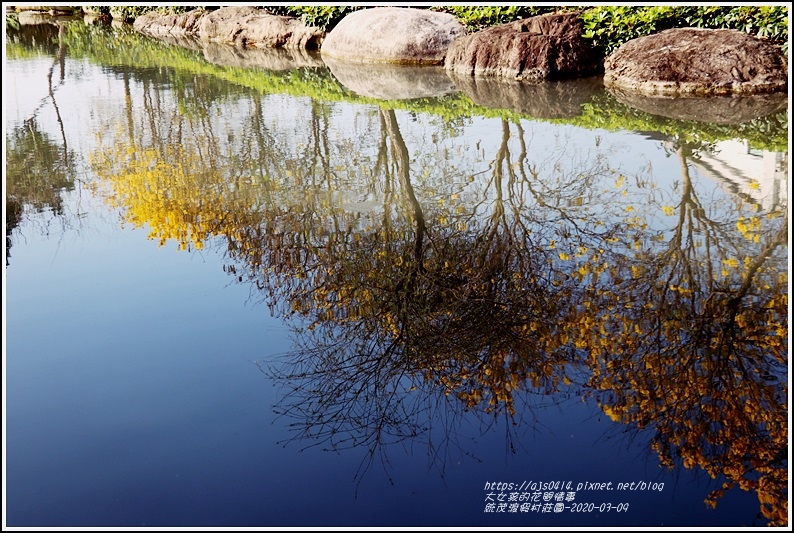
134,398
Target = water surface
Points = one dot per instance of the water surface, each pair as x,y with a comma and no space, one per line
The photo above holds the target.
241,296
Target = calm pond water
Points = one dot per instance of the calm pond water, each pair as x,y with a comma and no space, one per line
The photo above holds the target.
242,296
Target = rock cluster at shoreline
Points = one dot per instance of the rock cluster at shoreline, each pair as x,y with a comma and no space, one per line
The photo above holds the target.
682,61
688,62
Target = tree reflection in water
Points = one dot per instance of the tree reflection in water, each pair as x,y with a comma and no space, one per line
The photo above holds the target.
38,167
697,353
435,305
414,323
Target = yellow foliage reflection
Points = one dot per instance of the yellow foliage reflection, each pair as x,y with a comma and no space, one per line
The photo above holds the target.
171,193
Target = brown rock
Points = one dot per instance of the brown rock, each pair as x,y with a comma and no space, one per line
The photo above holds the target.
393,35
248,26
158,24
238,25
543,47
697,61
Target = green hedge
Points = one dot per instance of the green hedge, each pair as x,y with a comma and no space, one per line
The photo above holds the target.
611,26
480,17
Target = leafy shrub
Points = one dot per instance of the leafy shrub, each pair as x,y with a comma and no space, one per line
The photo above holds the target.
12,22
323,17
473,17
479,17
178,9
101,10
130,13
611,26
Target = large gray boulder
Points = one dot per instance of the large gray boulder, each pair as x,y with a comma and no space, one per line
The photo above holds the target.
393,35
545,47
237,25
693,61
